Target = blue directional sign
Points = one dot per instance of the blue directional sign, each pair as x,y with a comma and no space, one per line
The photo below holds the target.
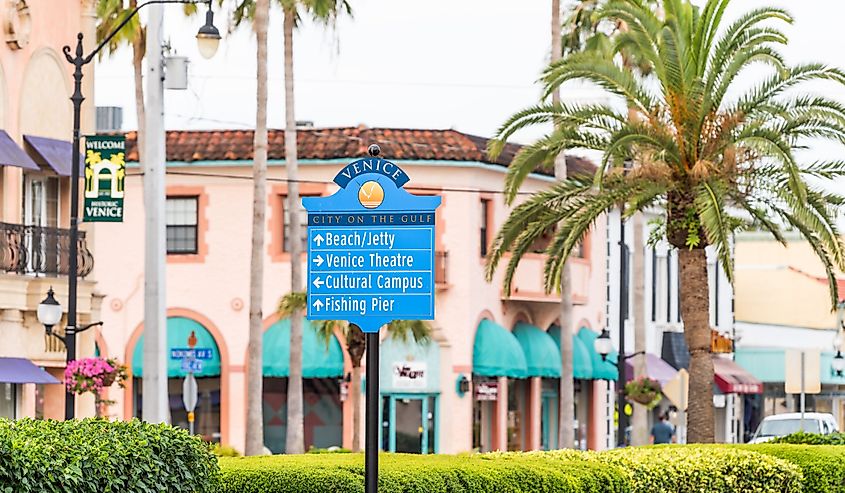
371,248
188,353
192,365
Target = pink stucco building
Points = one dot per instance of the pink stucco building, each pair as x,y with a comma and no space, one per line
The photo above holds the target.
481,335
36,123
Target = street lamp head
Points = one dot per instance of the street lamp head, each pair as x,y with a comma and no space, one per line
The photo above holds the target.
838,364
49,311
603,345
208,37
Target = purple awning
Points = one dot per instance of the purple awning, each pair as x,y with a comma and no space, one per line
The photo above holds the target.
21,370
655,368
54,153
12,155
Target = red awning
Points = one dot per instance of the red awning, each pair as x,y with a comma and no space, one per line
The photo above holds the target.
734,379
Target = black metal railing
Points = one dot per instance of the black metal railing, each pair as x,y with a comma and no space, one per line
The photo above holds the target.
39,250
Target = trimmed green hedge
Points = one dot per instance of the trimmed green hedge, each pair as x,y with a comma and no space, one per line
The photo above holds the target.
675,469
689,469
487,473
802,438
99,456
823,466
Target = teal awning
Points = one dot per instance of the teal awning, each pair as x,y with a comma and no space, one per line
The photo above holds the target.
542,355
497,353
178,331
768,365
602,370
319,360
582,365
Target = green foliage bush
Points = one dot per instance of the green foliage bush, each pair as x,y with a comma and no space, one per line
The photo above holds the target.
398,473
802,438
688,469
823,466
225,451
99,456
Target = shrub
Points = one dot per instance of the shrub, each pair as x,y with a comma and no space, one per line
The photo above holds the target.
486,473
98,456
225,451
823,466
802,438
682,469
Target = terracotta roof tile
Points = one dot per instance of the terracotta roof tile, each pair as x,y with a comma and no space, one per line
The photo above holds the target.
340,143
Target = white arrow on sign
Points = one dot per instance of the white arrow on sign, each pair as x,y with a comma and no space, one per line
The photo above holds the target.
318,283
318,260
318,239
318,305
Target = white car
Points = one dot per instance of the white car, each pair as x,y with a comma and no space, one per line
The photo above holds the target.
781,425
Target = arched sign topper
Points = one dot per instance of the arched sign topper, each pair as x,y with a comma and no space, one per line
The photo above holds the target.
371,248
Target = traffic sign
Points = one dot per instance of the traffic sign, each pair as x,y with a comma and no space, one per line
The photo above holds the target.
371,248
189,393
191,365
187,353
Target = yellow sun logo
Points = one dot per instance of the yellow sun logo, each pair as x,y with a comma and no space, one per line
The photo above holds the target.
371,195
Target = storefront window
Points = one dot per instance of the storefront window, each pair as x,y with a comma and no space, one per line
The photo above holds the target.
8,400
518,398
323,413
485,392
206,414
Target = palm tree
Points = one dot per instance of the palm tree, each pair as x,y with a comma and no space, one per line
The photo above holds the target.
327,12
356,344
110,13
715,163
566,401
255,419
582,30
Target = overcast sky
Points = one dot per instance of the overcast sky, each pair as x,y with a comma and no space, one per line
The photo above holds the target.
464,64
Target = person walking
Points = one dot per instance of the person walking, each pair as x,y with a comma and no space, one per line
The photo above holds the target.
663,431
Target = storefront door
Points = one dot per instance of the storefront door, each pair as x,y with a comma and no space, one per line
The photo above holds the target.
409,426
548,420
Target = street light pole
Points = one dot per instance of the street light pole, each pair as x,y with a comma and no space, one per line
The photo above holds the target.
623,315
78,59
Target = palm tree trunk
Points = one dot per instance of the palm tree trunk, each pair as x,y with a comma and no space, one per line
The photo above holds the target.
295,439
639,425
695,311
254,414
355,399
138,45
565,429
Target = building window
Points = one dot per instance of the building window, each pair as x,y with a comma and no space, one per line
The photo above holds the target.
303,227
8,400
182,219
485,224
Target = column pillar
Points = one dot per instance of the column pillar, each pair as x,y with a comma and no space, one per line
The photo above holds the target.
500,440
535,400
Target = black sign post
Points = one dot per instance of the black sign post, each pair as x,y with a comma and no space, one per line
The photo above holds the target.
371,446
369,232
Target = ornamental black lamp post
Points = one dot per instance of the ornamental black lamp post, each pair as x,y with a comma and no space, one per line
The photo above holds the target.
208,38
604,346
49,314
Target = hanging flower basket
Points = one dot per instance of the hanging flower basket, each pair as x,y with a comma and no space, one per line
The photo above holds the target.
93,375
645,391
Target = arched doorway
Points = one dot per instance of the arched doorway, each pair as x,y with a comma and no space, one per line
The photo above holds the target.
207,412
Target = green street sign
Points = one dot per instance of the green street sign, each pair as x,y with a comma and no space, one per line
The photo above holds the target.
105,171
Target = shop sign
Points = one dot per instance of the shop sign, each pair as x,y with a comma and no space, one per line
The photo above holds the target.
409,375
105,172
486,391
